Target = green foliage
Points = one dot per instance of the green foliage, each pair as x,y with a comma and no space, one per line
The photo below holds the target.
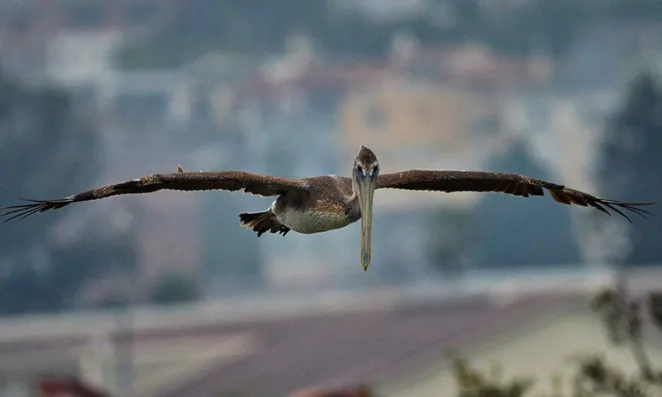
594,376
50,147
473,383
174,288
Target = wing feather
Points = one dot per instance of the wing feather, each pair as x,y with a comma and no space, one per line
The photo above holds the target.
185,181
517,185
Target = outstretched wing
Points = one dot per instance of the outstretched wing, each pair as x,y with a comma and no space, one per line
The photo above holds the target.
518,185
232,180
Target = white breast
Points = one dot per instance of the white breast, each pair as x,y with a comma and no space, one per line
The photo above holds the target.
309,222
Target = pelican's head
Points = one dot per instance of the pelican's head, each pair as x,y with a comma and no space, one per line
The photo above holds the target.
364,180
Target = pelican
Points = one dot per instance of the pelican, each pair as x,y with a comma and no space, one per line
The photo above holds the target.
323,203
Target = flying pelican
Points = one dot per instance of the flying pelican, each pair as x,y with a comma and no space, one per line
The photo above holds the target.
323,203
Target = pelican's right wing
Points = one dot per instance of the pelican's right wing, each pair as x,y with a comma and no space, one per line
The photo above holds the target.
187,181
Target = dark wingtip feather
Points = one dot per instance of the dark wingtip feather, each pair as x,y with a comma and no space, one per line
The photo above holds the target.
601,208
22,211
618,206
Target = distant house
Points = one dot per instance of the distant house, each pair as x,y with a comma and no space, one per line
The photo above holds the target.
70,41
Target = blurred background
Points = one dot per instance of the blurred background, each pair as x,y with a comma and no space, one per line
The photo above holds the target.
165,295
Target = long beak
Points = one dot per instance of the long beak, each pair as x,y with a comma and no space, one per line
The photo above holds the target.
366,193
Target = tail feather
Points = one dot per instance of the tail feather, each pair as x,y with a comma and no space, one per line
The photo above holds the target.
262,222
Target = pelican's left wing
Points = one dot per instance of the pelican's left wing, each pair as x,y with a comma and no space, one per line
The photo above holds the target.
262,185
518,185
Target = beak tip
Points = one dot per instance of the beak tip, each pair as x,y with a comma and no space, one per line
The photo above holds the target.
365,266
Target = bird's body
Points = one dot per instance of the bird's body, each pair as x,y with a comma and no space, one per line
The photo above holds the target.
323,203
321,217
326,204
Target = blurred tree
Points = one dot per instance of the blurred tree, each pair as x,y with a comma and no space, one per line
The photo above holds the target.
450,246
49,147
467,10
631,161
174,288
516,232
551,23
473,383
232,259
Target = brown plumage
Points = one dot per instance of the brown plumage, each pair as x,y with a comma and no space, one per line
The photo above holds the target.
185,181
262,222
323,203
517,185
443,181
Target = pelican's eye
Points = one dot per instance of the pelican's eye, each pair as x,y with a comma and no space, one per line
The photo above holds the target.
360,169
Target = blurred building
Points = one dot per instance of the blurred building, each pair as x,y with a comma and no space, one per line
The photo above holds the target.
69,39
75,58
440,11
